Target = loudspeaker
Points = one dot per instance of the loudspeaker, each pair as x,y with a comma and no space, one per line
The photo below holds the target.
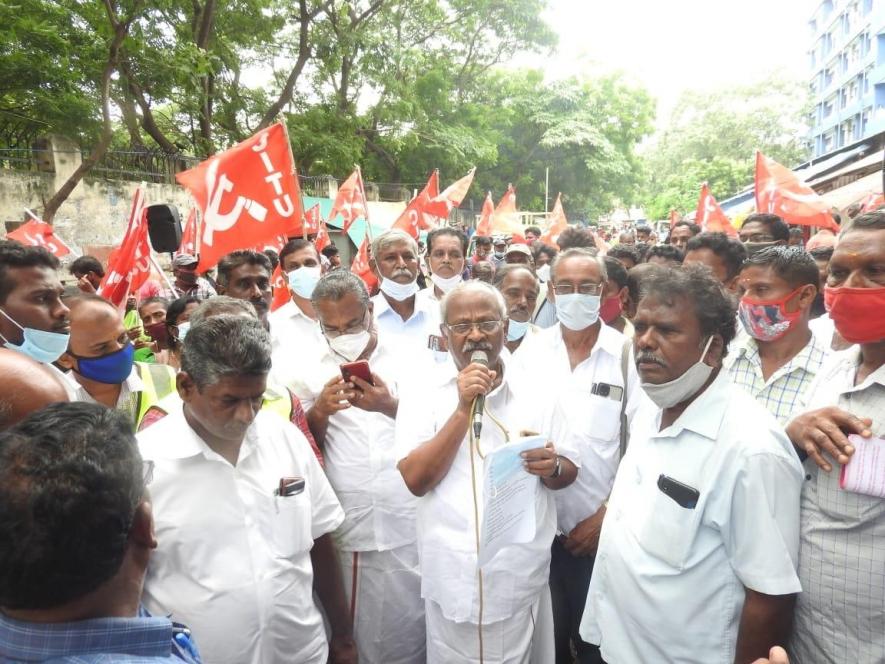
164,228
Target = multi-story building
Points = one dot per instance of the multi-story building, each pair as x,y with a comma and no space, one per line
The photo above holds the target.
847,58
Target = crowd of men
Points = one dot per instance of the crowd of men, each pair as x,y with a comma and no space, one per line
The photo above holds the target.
199,478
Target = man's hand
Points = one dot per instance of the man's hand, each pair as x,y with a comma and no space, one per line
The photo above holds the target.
540,461
825,430
474,379
375,398
85,285
336,395
342,650
584,538
777,655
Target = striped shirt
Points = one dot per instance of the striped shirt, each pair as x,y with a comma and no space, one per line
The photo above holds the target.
140,640
782,393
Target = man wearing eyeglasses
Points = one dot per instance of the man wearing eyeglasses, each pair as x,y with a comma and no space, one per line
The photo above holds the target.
581,368
500,613
353,421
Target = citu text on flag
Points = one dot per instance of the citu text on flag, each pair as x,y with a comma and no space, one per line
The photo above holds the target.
37,233
247,194
129,265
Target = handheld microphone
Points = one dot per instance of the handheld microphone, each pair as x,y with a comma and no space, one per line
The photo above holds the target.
478,357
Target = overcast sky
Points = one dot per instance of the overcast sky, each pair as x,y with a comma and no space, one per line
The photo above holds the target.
673,45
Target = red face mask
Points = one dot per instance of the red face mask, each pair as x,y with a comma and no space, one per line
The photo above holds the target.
858,313
768,320
610,309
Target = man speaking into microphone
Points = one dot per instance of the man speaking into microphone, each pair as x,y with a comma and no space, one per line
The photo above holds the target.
500,613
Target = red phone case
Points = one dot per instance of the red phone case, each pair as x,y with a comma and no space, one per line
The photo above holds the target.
359,369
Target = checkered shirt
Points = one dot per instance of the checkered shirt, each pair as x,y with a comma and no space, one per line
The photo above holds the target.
782,393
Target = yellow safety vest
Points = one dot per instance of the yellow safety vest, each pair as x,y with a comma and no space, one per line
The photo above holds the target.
158,381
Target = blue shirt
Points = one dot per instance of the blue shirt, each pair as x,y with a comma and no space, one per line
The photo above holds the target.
139,640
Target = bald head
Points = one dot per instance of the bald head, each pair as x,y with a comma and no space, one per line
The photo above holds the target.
27,386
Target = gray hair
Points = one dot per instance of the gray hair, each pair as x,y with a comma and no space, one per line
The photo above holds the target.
510,268
336,284
221,304
393,236
225,345
582,252
474,287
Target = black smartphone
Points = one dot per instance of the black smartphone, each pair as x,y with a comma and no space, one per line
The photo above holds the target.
684,495
613,392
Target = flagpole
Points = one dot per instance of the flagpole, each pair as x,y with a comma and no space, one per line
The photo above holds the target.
282,121
365,203
160,271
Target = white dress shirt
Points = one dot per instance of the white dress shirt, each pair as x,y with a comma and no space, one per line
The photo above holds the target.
446,526
127,401
296,338
668,582
233,561
361,464
590,423
409,336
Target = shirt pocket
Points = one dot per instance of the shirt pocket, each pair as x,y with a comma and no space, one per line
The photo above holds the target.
593,416
667,529
290,518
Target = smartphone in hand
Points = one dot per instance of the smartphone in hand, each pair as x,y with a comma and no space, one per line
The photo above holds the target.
359,369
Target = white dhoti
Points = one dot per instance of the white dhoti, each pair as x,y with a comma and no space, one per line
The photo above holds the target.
524,638
387,609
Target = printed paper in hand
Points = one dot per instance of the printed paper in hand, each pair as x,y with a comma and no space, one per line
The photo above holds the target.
865,471
508,497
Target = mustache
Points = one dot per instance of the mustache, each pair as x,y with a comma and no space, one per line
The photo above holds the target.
401,270
648,357
471,346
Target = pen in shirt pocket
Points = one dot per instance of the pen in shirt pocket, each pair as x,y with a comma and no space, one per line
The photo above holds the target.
289,486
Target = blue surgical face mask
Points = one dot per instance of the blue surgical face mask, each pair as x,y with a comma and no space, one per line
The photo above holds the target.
516,329
112,368
304,279
577,311
39,345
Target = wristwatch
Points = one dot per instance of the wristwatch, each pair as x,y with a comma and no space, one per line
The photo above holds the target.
557,469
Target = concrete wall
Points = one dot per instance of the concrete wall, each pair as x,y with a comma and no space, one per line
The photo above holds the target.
94,214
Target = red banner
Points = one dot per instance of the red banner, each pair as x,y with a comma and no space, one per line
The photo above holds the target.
247,194
674,218
350,202
484,227
780,192
189,235
129,265
710,217
442,204
360,266
39,234
414,217
557,223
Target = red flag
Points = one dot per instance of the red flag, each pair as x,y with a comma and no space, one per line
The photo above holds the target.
312,219
350,202
484,227
37,233
780,192
872,202
129,265
556,222
360,266
442,204
709,216
189,235
413,217
674,218
281,293
505,220
247,194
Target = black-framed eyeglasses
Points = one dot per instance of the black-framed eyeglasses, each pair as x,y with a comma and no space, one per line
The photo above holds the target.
588,288
484,326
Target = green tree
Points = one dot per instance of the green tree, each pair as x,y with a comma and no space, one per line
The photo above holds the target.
713,137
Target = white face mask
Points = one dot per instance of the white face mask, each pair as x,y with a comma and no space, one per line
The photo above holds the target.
398,291
350,346
303,280
577,311
543,272
445,285
667,395
183,329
